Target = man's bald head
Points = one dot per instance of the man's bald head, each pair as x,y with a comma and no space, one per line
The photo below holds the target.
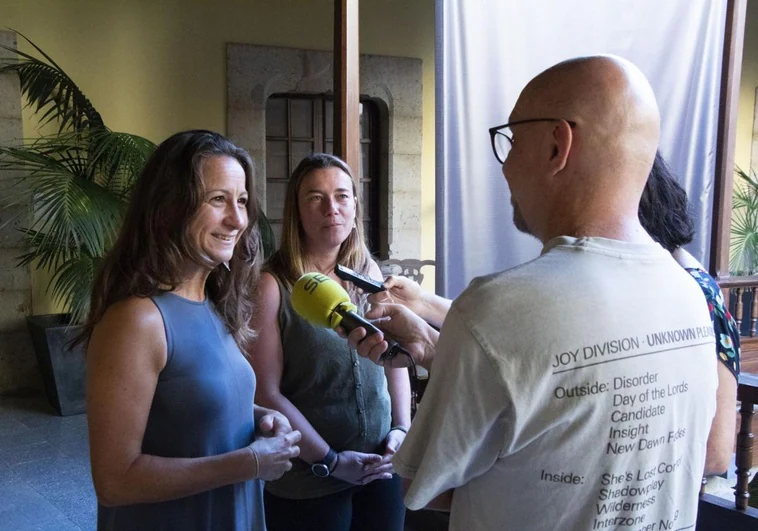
613,103
608,153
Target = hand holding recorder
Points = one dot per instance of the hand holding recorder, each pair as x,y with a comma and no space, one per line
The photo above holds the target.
401,290
367,284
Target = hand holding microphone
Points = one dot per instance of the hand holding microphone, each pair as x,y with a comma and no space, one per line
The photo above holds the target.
323,302
417,337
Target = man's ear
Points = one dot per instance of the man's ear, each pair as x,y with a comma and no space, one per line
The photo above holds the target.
563,138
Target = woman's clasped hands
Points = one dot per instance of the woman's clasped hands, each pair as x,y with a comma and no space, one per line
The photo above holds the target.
275,446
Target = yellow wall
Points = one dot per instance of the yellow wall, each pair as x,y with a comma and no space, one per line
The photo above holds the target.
154,67
748,84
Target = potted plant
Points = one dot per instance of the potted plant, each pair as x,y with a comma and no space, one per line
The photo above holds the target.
79,179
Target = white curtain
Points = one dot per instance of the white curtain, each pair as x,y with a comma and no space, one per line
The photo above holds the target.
487,50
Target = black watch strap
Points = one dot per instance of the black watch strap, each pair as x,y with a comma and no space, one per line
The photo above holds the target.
330,458
324,467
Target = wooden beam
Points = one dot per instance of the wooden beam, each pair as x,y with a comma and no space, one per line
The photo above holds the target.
347,134
731,69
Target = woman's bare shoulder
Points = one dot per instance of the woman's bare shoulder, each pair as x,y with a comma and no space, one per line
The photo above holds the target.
133,324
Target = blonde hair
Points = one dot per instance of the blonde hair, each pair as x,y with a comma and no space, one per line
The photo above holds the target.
289,262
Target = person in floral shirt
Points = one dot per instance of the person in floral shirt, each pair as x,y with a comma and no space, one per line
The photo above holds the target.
727,335
664,213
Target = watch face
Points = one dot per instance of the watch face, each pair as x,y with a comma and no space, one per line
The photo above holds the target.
320,470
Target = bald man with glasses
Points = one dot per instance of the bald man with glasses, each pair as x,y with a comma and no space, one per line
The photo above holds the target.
575,391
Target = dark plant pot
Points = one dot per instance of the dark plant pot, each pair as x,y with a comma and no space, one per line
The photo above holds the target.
63,369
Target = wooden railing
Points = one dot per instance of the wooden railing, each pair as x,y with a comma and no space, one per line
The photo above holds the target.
747,394
716,513
734,289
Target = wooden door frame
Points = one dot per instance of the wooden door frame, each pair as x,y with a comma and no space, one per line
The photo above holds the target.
726,136
346,85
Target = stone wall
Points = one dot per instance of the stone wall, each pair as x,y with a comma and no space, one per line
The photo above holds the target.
18,368
256,72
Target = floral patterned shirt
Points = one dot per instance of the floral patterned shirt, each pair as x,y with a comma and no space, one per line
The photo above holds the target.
724,326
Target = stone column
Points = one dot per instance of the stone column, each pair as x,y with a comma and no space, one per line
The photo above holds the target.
18,367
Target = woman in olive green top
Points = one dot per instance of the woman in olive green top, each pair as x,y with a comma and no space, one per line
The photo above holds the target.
352,414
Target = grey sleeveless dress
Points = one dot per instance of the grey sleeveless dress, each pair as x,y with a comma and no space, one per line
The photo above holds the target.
203,405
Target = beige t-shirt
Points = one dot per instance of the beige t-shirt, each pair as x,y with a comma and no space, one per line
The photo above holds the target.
573,392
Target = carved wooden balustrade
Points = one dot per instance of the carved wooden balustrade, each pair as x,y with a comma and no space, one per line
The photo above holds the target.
741,295
717,513
738,291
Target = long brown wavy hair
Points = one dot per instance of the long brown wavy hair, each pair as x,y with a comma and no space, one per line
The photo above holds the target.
154,243
289,262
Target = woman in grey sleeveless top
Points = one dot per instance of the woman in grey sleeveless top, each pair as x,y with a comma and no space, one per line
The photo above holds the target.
176,441
353,414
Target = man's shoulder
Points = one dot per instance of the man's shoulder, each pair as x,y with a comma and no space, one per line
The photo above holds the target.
520,282
572,278
494,303
569,262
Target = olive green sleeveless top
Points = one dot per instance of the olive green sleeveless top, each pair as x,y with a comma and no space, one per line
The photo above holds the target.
342,395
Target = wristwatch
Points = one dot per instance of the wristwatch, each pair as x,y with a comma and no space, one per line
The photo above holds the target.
324,468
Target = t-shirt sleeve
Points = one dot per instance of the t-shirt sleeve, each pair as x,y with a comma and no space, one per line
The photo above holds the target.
460,428
724,326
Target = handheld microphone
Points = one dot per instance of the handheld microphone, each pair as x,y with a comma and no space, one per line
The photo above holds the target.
323,302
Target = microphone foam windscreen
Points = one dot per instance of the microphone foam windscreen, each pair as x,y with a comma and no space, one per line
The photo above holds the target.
316,296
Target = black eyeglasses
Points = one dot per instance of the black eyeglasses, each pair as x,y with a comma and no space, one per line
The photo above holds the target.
502,143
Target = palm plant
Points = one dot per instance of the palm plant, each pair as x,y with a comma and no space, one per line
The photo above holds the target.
743,247
79,179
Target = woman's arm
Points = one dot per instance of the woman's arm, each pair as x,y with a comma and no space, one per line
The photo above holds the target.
399,387
721,437
126,353
267,358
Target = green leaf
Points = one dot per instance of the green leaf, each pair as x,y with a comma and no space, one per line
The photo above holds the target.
50,92
72,285
268,242
743,245
74,184
117,159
